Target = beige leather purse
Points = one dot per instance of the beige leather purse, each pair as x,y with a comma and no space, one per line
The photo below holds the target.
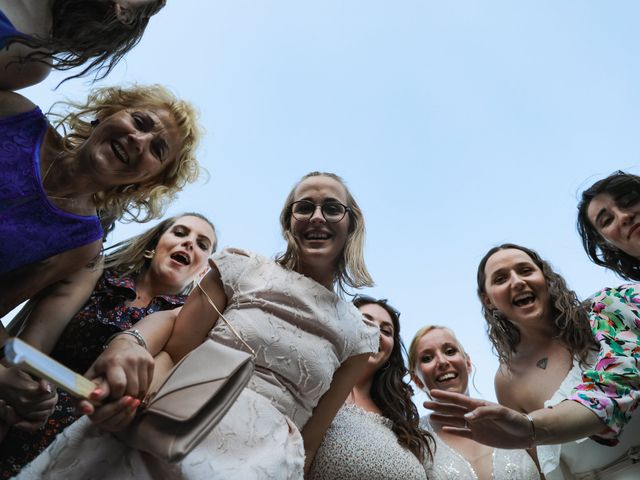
193,398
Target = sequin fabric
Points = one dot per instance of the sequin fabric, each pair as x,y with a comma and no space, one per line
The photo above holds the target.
448,464
360,444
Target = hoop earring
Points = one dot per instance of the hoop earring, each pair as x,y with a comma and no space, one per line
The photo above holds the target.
149,254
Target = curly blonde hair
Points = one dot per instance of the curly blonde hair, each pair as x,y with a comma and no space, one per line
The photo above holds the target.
145,200
351,268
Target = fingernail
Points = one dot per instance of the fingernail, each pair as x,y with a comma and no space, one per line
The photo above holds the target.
469,416
127,400
86,409
97,392
47,387
136,404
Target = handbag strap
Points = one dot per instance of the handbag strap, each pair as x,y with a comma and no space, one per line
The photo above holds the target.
227,321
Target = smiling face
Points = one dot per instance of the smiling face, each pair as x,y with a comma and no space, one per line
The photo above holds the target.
441,362
383,320
131,146
182,252
618,222
516,286
319,242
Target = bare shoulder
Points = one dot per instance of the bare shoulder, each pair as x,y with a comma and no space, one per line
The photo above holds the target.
12,103
504,385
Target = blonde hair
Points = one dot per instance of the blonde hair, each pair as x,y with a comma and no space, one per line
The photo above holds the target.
413,347
351,268
128,256
146,200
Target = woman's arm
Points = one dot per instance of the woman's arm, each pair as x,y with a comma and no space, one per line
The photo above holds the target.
343,381
16,74
22,284
12,103
611,388
52,312
128,367
33,400
197,317
503,427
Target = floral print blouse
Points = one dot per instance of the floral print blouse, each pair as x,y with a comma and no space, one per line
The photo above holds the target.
611,388
105,313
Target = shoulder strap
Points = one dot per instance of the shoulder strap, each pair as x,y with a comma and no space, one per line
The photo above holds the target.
226,321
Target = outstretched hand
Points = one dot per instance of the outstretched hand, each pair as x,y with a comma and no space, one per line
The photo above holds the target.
482,421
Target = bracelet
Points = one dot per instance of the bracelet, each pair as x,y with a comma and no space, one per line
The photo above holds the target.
134,333
533,430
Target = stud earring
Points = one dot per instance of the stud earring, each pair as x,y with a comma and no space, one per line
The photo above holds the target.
95,123
497,316
149,254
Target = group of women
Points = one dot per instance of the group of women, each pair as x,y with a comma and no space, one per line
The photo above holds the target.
330,396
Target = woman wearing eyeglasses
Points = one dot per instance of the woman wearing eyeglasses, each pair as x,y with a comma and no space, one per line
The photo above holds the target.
376,433
310,344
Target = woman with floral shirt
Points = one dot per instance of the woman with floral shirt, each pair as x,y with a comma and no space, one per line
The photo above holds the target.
149,273
552,349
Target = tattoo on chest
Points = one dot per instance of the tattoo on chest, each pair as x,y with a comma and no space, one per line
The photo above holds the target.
542,363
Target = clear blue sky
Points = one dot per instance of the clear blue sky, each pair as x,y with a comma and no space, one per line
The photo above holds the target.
457,125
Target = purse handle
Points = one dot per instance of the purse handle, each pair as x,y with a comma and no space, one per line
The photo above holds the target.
227,321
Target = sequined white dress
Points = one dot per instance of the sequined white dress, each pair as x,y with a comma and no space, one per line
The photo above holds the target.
448,464
301,333
361,445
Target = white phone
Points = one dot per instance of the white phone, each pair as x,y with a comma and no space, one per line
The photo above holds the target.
31,360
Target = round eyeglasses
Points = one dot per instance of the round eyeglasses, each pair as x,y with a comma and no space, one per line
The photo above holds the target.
332,211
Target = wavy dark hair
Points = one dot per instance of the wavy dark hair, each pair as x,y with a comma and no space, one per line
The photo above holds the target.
392,394
624,188
569,314
88,31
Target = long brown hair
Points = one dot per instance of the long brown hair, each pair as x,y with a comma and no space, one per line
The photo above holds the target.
351,269
88,31
569,315
129,256
624,188
392,394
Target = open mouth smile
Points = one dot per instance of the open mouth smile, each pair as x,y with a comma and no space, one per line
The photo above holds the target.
317,235
446,377
120,152
524,299
181,257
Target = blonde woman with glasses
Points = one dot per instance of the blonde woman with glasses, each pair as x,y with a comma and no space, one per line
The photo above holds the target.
310,346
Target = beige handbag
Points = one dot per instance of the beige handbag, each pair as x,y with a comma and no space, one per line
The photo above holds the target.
194,397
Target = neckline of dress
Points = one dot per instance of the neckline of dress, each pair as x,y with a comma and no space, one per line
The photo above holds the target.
460,456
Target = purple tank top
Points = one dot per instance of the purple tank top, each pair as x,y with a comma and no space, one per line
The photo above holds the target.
31,227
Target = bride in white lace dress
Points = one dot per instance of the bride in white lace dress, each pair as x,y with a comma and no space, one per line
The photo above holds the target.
438,360
310,346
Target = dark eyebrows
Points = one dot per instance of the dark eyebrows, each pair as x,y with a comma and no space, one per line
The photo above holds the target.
600,214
